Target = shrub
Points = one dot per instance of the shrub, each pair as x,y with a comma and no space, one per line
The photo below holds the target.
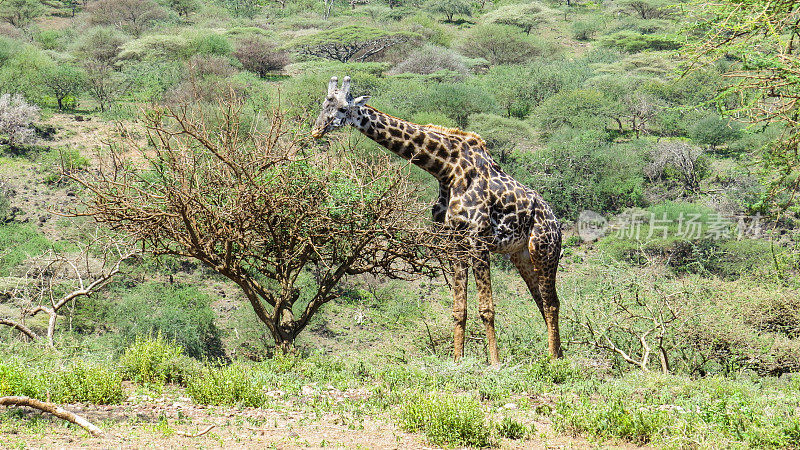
526,16
578,108
64,81
132,16
713,130
446,419
21,13
180,314
225,386
208,43
450,8
611,419
16,119
100,44
578,170
260,56
632,41
86,382
59,162
511,429
155,361
458,101
502,135
79,381
585,30
18,380
430,59
503,44
156,46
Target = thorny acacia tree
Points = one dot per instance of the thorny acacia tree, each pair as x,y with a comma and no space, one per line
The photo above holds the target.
259,209
56,280
762,37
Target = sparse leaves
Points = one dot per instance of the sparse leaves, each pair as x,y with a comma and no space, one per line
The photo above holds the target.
16,118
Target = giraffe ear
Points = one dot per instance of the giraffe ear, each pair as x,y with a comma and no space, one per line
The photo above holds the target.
332,85
361,101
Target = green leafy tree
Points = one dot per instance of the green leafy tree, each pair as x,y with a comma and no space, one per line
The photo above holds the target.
512,88
577,108
351,42
760,38
500,44
450,8
713,130
458,101
503,135
648,9
525,16
131,16
183,7
20,13
64,80
100,44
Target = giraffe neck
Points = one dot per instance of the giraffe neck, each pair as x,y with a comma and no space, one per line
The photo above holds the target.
428,150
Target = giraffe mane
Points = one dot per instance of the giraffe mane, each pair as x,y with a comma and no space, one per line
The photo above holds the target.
455,131
438,128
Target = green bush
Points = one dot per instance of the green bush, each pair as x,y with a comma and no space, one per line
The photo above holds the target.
79,381
504,44
633,41
713,131
578,108
181,314
86,382
446,419
226,386
611,419
208,43
155,361
578,170
511,429
18,380
58,162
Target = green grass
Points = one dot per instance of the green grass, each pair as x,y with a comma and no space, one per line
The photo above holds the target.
18,242
78,381
226,386
452,420
155,361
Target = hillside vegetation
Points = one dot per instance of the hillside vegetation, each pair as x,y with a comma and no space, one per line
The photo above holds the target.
663,134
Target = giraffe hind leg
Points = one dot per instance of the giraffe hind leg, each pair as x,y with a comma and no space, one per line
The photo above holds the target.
522,261
545,250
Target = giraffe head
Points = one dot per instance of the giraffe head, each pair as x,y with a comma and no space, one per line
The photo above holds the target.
336,108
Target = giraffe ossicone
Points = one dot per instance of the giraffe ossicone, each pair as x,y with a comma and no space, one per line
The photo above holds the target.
475,196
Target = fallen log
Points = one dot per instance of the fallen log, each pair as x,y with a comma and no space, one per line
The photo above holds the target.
53,409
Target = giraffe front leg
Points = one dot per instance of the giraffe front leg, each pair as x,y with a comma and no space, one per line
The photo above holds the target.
459,307
483,281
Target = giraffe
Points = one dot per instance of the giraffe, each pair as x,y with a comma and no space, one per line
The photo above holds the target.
496,212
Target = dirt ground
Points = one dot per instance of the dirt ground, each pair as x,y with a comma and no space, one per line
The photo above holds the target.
171,420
